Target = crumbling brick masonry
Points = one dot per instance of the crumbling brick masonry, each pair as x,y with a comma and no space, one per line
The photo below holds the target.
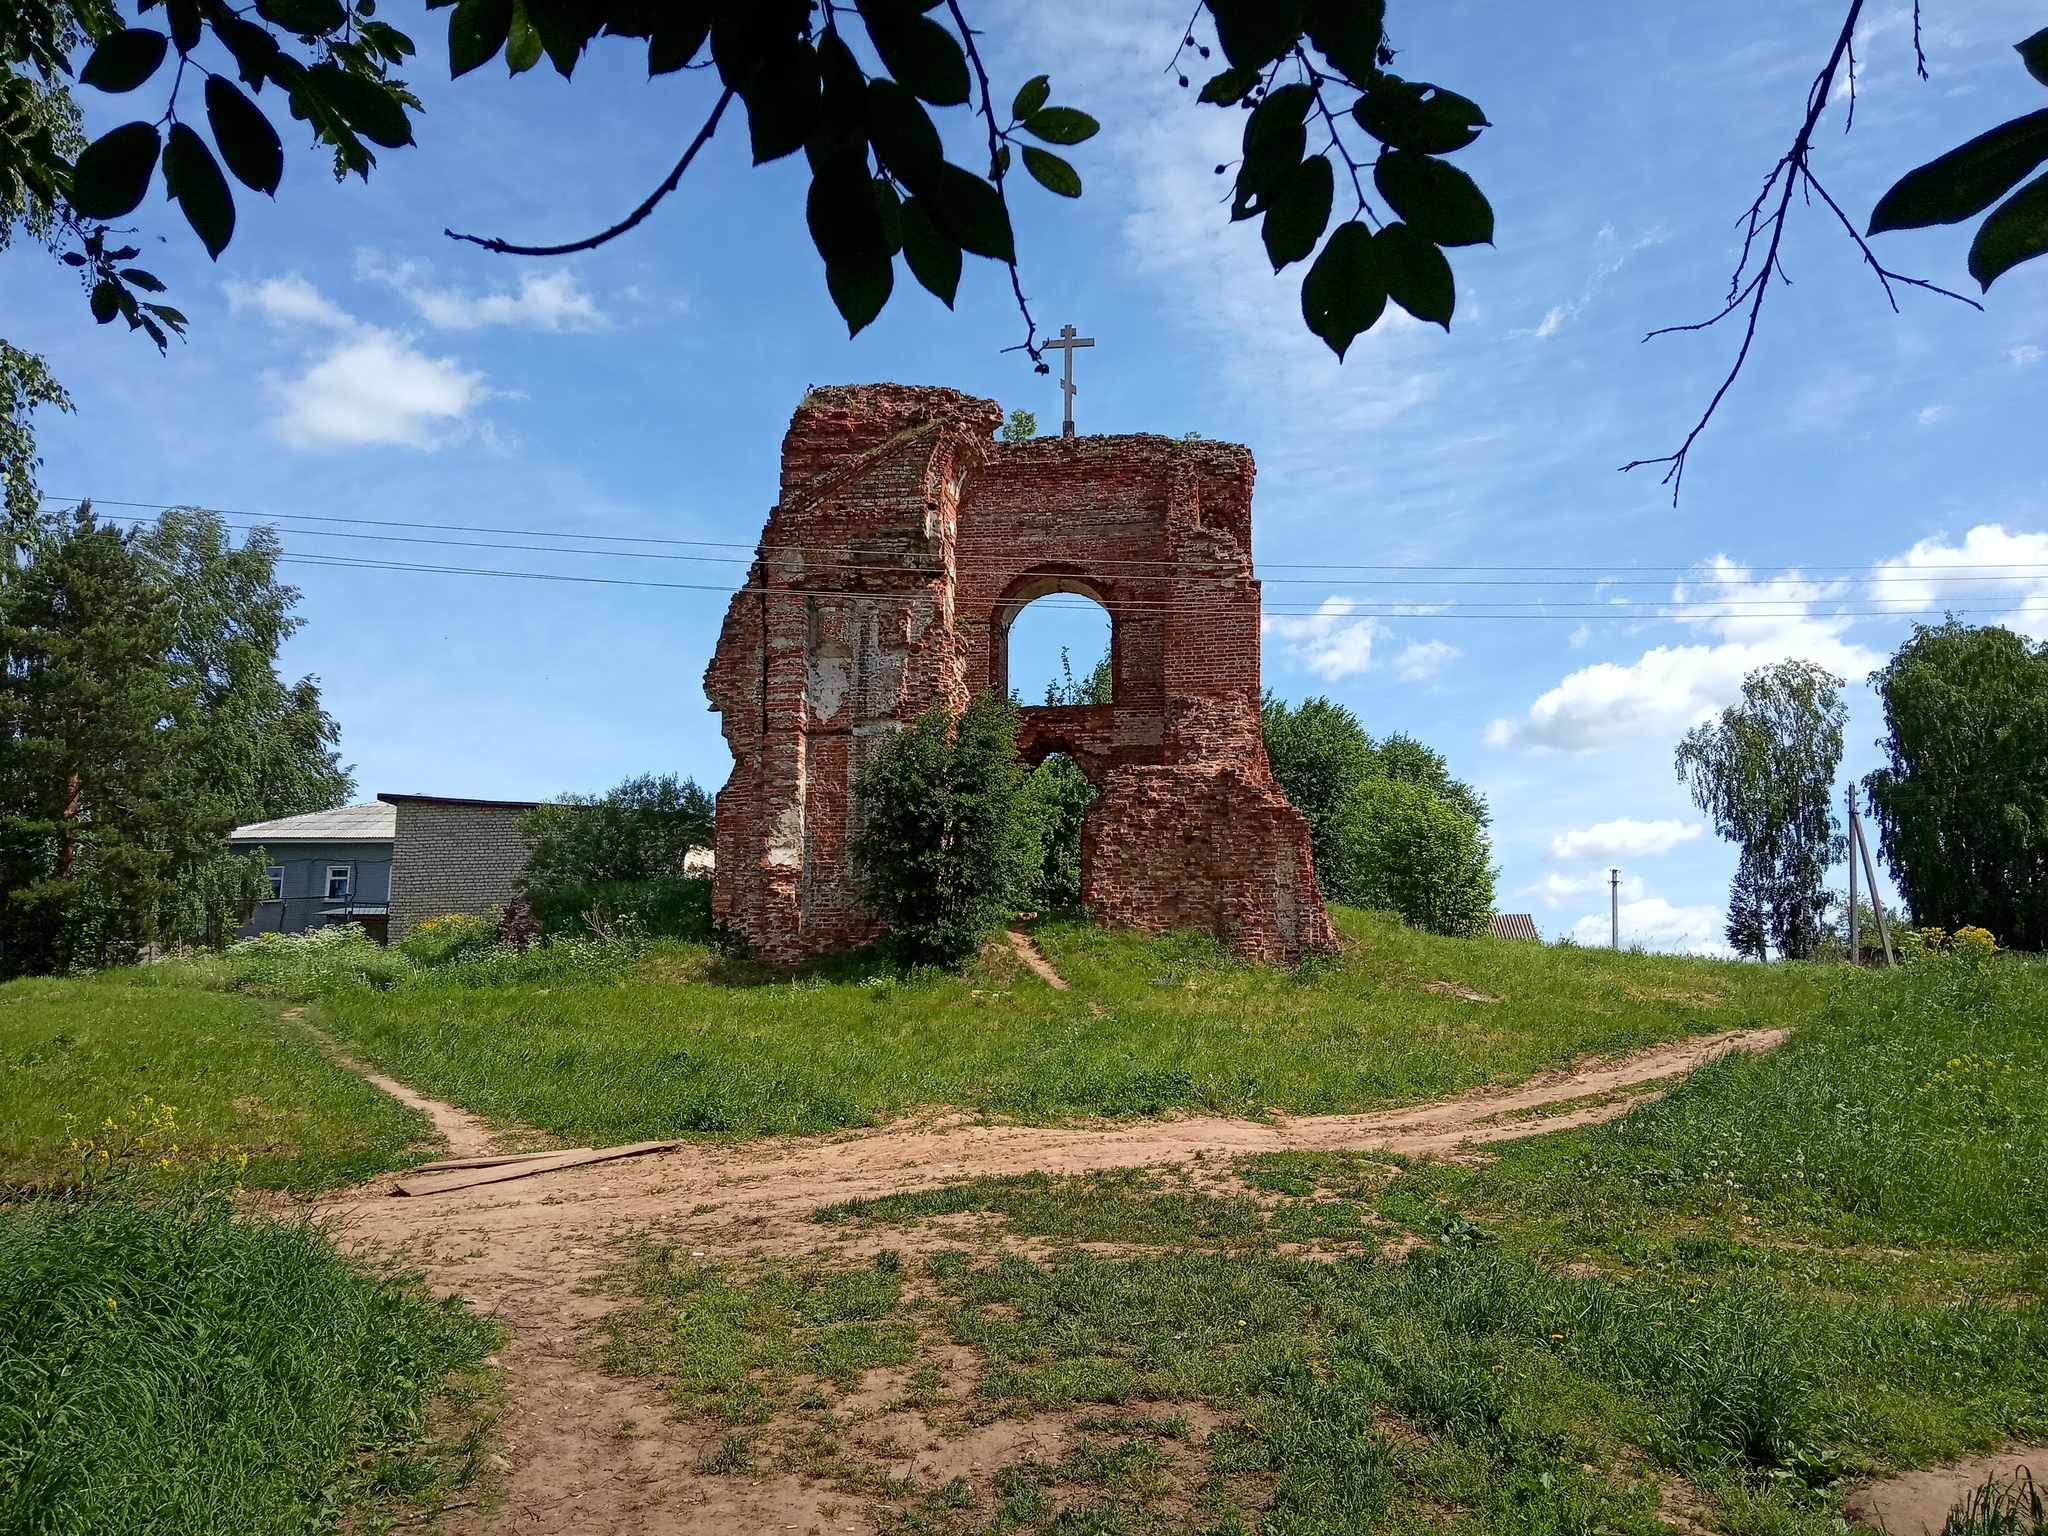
904,544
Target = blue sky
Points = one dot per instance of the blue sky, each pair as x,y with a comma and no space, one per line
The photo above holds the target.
346,360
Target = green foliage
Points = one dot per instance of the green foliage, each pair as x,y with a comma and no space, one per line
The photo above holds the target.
1999,1508
177,1367
1056,797
338,958
143,717
436,940
1765,772
1320,755
698,1044
949,846
1967,180
638,832
655,909
25,384
1407,850
1021,427
1962,801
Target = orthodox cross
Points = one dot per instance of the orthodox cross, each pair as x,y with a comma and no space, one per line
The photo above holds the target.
1066,342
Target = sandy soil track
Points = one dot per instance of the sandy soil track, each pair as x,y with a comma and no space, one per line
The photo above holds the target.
525,1251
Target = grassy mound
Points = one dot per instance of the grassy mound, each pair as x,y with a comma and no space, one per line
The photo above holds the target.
691,1044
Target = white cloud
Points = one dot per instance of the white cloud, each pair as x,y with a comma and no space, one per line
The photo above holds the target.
1674,687
2025,354
1653,923
290,299
546,301
1327,642
2012,568
1930,416
1556,889
1424,659
370,388
375,389
1622,838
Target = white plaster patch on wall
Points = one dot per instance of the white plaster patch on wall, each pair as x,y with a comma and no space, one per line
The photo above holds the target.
826,682
786,837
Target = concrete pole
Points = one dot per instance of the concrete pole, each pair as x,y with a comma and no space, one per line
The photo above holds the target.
1614,906
1855,954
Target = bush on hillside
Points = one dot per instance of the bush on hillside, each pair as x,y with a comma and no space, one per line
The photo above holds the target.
950,844
639,831
657,909
1406,850
437,940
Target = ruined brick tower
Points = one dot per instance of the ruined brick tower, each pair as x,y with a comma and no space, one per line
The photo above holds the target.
904,544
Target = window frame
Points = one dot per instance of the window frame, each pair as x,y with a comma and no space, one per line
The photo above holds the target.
275,875
347,873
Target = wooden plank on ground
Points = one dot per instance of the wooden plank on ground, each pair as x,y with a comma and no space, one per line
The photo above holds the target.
468,1177
449,1164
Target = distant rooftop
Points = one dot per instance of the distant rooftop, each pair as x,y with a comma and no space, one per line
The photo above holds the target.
375,822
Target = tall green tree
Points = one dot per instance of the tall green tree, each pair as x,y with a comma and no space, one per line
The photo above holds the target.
949,846
1962,801
1319,754
141,717
1408,849
640,830
1765,773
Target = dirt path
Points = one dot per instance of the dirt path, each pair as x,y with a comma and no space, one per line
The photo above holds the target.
526,1250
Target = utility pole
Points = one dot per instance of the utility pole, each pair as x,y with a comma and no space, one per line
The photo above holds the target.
1855,953
1884,933
1614,906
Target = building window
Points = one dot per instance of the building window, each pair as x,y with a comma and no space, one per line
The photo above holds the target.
275,874
338,881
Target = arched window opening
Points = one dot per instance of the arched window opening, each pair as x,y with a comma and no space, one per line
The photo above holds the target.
1058,649
1059,794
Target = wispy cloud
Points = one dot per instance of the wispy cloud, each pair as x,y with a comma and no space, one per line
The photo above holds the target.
1653,923
1424,659
1622,838
1328,642
1673,687
546,301
370,387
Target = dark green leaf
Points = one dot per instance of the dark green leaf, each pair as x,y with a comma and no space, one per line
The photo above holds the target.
388,43
2017,231
1436,200
477,29
1256,32
106,300
1417,276
522,43
1966,180
194,179
903,134
1031,97
1347,33
371,107
1404,114
247,141
890,207
1062,125
255,50
2034,54
174,318
113,172
1344,293
999,163
933,259
846,227
1297,213
679,32
782,101
308,18
565,28
146,281
183,16
918,51
1051,172
970,213
1230,86
125,59
841,124
1274,140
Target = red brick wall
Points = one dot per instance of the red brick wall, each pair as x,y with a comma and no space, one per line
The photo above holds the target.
904,544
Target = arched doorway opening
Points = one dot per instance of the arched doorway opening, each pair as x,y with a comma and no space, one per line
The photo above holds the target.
1054,644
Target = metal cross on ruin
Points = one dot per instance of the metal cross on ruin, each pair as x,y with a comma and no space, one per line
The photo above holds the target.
1066,341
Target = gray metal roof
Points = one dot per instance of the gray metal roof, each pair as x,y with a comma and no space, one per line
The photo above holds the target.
1515,925
372,823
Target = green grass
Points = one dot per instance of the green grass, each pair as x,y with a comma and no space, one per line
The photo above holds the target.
1792,1270
176,1368
693,1044
94,1048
